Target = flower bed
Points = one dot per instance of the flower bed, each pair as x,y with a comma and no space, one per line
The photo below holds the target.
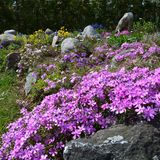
97,102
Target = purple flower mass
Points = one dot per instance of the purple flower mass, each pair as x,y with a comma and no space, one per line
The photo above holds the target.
71,113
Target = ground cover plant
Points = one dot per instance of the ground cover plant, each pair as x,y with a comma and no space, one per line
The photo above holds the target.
8,96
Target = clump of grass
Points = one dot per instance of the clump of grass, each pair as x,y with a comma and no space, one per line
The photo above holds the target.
8,95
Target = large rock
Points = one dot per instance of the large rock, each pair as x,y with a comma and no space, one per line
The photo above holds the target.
11,31
69,44
90,32
125,23
120,142
12,60
6,39
30,80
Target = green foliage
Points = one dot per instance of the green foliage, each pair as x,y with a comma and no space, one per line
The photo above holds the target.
89,44
21,39
3,53
8,95
37,92
144,26
32,15
118,40
39,38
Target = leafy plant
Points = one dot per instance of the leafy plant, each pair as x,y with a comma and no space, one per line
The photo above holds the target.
63,32
39,38
3,54
144,26
119,40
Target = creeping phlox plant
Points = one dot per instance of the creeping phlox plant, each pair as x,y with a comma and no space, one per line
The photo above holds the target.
130,51
95,103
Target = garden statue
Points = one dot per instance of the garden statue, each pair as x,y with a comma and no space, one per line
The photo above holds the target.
125,23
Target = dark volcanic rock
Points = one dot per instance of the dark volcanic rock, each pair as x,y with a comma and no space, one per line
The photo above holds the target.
120,142
12,60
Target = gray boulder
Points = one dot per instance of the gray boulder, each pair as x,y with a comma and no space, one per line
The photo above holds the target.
120,142
90,32
12,60
6,39
69,44
125,23
30,80
11,31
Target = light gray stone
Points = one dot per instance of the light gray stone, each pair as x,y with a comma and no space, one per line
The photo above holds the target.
11,31
155,158
30,80
125,23
69,44
7,37
55,40
90,32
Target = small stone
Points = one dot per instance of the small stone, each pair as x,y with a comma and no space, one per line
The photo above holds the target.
155,158
48,31
114,139
55,40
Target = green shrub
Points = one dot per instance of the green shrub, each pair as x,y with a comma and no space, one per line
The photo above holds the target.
39,38
119,40
143,26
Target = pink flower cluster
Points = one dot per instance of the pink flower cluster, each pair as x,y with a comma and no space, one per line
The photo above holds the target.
128,50
71,113
125,32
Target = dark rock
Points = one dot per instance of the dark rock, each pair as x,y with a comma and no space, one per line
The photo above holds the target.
120,142
12,60
48,31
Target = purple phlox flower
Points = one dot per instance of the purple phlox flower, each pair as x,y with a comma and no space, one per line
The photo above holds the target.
149,113
43,76
139,109
125,32
78,131
34,74
106,34
44,157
